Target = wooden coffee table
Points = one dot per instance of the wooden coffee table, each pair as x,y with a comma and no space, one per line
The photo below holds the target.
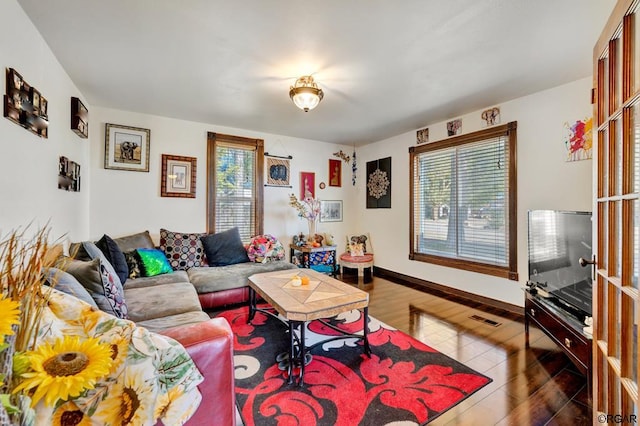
324,297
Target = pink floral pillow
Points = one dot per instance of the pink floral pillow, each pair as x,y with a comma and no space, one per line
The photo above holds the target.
265,248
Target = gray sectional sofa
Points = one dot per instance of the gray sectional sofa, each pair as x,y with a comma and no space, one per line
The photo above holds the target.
178,298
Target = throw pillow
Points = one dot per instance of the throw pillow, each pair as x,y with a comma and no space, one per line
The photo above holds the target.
102,284
66,283
115,256
133,263
224,248
184,250
363,239
135,241
265,248
356,249
77,251
153,262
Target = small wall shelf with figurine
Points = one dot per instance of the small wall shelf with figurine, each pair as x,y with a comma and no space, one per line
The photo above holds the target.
68,175
79,118
25,105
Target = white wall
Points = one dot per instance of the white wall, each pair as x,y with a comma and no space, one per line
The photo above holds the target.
124,202
545,181
121,202
29,187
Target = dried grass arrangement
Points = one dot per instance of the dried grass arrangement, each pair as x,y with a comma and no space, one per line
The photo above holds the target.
22,259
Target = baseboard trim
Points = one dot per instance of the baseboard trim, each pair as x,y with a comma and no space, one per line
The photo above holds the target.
441,290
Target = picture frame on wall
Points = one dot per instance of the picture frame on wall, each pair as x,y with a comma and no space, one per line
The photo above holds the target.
335,173
79,118
454,127
307,185
278,170
178,176
422,136
331,211
126,148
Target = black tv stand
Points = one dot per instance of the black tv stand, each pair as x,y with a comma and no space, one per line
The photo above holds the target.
563,327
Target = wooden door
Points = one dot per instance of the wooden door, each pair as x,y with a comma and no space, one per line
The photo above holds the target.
616,304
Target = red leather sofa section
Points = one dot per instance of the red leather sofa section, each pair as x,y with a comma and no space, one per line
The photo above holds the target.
210,345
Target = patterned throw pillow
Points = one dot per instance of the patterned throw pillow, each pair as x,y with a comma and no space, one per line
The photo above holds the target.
265,248
153,262
102,283
183,250
356,249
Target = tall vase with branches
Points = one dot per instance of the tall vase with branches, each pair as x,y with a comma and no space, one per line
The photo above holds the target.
308,208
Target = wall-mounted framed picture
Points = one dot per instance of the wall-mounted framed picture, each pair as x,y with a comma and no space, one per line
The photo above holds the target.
454,127
79,118
25,105
331,211
126,148
335,173
490,117
422,136
379,184
278,170
307,185
178,176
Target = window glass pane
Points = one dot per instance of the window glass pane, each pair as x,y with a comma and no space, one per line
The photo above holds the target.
235,189
619,239
603,256
482,201
618,73
636,51
603,102
602,307
436,192
629,364
635,149
635,238
603,163
618,150
614,313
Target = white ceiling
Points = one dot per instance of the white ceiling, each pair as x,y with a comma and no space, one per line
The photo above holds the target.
386,67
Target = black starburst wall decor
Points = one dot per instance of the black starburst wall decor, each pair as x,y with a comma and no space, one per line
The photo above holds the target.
379,184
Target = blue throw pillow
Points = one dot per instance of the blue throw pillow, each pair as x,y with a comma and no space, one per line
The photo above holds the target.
225,248
115,256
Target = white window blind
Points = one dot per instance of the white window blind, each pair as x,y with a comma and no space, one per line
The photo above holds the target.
235,203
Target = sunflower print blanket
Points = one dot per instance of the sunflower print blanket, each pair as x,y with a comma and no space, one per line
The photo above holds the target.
151,376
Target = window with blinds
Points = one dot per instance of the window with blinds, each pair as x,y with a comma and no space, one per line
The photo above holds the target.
463,194
235,184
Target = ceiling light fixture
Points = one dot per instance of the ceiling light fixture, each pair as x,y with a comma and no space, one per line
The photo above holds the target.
305,93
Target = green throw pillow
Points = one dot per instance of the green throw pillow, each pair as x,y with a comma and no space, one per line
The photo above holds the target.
153,262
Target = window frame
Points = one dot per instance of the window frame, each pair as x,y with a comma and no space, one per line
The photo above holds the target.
510,271
217,139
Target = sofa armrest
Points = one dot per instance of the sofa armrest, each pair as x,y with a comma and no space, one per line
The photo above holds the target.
210,345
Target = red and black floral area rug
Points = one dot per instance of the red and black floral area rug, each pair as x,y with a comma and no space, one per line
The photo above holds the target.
404,380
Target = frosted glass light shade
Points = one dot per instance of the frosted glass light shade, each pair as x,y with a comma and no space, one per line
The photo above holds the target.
305,93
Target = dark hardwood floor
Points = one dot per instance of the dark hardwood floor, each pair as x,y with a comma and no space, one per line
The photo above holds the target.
531,386
537,385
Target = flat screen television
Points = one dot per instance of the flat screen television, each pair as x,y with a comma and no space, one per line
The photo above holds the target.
557,241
